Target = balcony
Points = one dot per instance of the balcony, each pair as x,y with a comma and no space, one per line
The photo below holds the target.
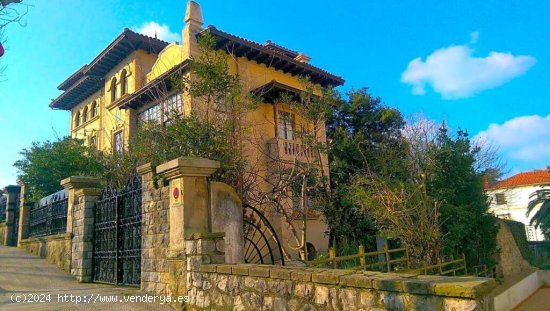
289,151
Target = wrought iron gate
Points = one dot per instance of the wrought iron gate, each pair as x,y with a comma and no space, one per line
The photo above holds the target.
117,235
261,243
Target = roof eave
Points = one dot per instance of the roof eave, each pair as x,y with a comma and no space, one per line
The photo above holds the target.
138,98
319,75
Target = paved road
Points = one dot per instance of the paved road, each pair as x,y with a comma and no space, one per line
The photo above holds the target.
24,274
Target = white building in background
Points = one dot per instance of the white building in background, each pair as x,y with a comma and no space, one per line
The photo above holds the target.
509,198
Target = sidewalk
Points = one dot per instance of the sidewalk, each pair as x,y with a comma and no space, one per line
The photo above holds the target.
22,275
539,301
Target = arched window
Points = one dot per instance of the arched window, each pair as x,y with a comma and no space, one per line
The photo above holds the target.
123,83
77,119
85,114
94,109
113,89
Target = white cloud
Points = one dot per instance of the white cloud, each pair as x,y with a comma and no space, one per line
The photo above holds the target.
162,32
454,72
524,139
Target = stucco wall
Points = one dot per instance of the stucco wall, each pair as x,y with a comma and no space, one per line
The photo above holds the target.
515,208
55,249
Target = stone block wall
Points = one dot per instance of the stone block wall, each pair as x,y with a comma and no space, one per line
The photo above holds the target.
83,232
33,246
511,260
260,287
2,232
214,286
155,275
55,249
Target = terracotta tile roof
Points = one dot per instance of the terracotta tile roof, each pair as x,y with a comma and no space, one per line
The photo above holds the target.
75,90
272,55
536,177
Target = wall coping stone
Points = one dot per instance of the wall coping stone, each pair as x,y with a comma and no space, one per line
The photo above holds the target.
206,236
60,236
193,167
144,169
12,189
459,287
93,192
330,276
80,182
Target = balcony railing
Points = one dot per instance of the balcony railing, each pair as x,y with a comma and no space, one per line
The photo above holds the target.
289,150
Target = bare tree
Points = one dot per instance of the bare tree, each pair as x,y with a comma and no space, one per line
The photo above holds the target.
402,207
297,176
11,11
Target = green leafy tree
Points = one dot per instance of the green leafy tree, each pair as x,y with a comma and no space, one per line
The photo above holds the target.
365,135
433,202
397,198
45,164
467,225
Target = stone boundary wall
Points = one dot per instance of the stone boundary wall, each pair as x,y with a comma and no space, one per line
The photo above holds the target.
2,232
260,287
55,249
511,261
214,285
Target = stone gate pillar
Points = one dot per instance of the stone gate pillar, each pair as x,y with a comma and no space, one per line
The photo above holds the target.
24,214
189,200
12,222
83,194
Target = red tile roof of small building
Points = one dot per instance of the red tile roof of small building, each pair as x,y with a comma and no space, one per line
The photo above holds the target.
536,177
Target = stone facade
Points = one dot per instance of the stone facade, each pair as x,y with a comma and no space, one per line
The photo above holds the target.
55,249
213,286
510,261
2,233
156,234
83,232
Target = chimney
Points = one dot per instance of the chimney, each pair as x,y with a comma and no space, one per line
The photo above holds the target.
302,58
193,15
193,25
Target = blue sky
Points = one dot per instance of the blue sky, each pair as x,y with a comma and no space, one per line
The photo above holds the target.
480,65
